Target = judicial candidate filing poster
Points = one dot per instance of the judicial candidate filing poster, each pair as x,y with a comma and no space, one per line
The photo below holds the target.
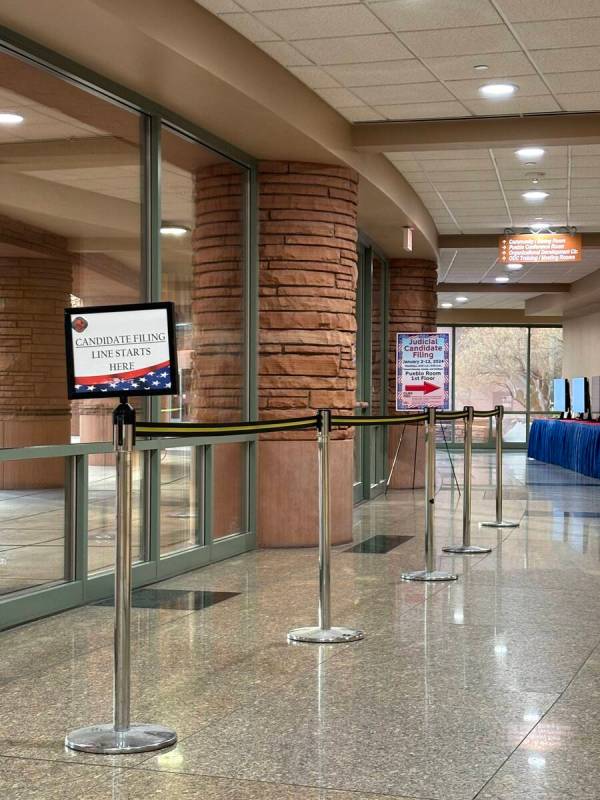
423,370
117,350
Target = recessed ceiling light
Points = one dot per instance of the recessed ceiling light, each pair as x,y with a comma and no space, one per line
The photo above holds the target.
10,119
170,229
527,153
445,305
462,299
514,267
535,194
502,279
497,91
481,67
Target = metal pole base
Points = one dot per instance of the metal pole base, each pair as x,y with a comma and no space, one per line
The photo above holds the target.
325,635
503,524
466,549
138,738
424,575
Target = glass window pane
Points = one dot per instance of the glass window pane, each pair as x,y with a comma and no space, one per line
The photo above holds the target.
546,364
491,368
102,502
32,524
180,499
70,218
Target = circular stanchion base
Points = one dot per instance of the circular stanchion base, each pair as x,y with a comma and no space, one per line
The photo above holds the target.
325,635
423,575
138,738
503,524
466,549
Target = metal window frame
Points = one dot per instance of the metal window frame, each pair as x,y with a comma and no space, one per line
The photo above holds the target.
80,587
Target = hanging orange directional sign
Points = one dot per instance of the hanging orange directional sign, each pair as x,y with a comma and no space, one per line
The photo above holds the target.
539,248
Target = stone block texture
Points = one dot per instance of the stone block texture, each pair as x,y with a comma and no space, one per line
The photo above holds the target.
308,276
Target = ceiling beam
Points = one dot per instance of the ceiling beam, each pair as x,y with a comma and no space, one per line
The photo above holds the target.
472,133
452,241
505,288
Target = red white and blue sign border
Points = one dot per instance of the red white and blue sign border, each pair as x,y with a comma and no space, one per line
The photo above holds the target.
110,391
399,364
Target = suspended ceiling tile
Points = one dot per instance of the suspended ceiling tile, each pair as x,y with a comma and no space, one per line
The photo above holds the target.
564,59
584,101
250,27
515,105
275,5
461,42
406,93
416,111
381,73
574,82
339,98
284,53
566,32
469,89
585,149
360,114
353,49
219,6
321,22
473,166
535,10
314,77
500,65
430,14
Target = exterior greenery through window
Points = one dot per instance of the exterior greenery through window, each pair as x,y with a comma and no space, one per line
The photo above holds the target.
509,365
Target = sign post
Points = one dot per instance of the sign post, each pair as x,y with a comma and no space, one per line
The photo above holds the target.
120,351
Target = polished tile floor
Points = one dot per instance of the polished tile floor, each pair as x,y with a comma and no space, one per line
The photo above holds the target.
488,687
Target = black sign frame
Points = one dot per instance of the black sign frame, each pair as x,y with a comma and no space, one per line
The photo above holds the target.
70,313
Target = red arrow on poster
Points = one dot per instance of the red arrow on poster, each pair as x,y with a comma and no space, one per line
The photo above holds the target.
424,387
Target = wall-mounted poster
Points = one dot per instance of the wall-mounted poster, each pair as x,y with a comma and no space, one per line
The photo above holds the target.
423,370
118,350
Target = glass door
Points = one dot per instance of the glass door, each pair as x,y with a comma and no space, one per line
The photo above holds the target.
371,373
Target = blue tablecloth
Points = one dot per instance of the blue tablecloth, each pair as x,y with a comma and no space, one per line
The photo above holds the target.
574,445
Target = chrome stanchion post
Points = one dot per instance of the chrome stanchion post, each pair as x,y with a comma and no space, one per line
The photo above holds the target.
122,736
499,521
429,573
324,633
466,548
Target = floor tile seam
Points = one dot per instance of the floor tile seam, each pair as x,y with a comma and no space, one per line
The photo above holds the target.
317,787
540,720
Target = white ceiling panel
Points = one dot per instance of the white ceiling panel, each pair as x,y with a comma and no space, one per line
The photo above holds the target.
314,77
574,82
462,41
516,105
536,10
566,32
283,52
381,73
404,93
322,22
423,110
360,114
353,49
584,101
563,59
405,15
250,27
469,89
500,65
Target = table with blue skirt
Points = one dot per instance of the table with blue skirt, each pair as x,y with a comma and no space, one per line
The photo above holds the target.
567,443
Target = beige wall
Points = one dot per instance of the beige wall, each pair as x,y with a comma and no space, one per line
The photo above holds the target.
581,354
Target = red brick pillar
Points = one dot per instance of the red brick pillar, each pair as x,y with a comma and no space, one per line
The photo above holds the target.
307,325
412,307
34,409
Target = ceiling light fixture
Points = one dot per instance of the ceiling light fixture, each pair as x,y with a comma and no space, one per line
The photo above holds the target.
535,194
502,279
172,229
462,299
537,227
527,153
445,305
481,67
10,119
514,267
498,91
